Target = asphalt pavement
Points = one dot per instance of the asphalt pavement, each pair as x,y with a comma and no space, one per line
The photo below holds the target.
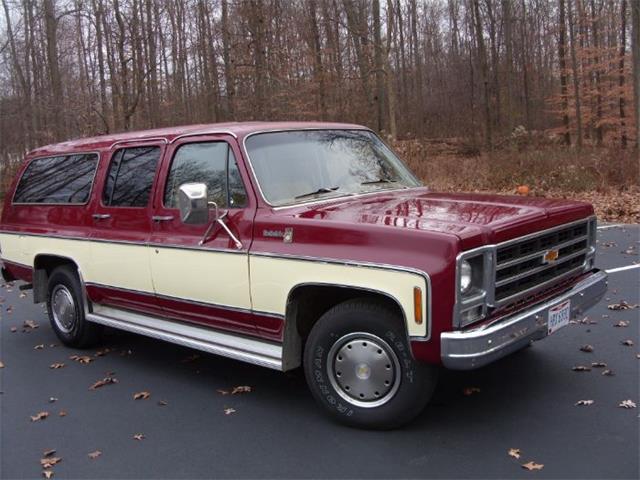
188,427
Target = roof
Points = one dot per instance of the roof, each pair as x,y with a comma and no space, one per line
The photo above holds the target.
237,129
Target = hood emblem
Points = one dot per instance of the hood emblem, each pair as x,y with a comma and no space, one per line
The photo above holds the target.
550,256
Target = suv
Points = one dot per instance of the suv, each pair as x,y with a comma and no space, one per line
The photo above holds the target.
289,244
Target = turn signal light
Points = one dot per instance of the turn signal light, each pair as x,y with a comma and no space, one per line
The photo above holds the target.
417,305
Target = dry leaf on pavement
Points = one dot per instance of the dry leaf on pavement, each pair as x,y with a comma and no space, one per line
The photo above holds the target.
1,365
627,404
608,373
598,365
83,359
532,466
103,382
47,473
622,323
584,403
621,306
586,348
48,453
514,452
627,343
138,436
30,324
240,389
581,368
141,395
52,399
39,347
62,413
49,462
94,455
39,416
229,411
163,403
56,366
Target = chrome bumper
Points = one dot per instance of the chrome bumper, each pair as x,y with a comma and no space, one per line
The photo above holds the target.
469,349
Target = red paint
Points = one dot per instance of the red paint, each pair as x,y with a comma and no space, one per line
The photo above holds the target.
413,228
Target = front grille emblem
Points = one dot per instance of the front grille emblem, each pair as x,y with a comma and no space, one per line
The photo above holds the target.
550,256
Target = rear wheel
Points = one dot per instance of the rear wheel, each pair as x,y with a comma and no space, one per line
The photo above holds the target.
359,367
66,310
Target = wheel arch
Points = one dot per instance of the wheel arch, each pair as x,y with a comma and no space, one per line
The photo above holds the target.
43,265
307,302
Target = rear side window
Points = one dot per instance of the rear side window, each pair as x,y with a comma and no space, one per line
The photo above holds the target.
65,180
212,163
130,177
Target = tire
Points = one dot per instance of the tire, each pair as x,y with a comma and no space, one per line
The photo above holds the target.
382,386
66,310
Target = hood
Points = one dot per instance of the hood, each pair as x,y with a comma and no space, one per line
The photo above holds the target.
476,219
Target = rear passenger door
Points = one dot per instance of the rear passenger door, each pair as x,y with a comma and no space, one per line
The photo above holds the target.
121,274
204,283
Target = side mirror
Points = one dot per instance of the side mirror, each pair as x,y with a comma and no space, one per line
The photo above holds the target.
193,203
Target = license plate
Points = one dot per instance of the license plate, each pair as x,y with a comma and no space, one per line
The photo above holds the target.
559,317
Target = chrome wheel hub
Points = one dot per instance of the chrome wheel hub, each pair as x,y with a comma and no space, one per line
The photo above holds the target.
63,308
364,369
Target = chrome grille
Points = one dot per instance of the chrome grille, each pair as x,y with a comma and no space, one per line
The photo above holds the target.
521,268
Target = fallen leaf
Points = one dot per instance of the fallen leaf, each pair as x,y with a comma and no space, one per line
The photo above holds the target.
102,353
49,462
229,411
163,403
627,404
30,324
581,368
627,343
22,294
598,364
622,306
622,323
470,391
14,329
62,413
514,452
608,373
586,348
9,310
103,382
39,416
56,366
584,403
223,392
39,347
94,455
138,436
52,399
141,395
532,466
48,453
83,359
240,389
47,473
1,365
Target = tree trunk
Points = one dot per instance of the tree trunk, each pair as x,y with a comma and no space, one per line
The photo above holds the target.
576,80
623,43
482,58
635,47
562,45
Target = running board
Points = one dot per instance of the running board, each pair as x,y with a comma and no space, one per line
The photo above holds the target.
227,345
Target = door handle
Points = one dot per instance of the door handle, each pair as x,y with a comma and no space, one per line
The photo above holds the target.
101,216
162,218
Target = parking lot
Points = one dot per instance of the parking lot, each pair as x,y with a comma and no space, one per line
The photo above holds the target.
189,424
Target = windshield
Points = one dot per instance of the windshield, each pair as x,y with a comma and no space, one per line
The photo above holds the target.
300,165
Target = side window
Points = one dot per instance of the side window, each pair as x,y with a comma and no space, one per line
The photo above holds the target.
212,163
130,177
66,179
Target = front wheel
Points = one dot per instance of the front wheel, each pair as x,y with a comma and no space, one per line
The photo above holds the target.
359,367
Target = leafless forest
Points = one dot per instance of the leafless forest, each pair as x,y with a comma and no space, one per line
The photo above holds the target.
509,90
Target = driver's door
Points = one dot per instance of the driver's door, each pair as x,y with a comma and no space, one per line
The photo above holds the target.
209,283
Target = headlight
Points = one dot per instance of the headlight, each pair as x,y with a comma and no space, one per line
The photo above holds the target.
465,276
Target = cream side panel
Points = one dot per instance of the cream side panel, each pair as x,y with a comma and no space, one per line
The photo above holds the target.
201,275
273,278
120,265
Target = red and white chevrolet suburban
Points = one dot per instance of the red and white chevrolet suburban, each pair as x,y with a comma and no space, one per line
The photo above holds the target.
289,244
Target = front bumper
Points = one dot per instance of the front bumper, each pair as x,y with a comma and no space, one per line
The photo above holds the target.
469,349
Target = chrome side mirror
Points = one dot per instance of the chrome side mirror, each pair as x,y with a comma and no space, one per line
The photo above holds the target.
193,203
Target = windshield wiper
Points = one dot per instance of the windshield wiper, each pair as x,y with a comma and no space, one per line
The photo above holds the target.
380,180
319,191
